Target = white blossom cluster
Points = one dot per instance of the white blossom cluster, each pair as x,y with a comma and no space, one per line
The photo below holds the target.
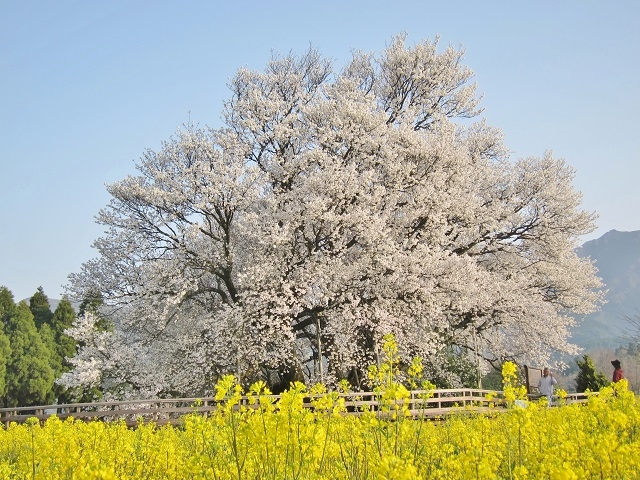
334,208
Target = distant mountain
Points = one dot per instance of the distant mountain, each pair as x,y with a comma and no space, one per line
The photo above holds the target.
617,257
53,304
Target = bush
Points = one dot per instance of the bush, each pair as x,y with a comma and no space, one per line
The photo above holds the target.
588,379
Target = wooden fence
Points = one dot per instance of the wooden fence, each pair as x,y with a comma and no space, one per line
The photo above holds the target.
421,404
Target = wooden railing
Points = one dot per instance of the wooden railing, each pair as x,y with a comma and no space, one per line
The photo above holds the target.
421,404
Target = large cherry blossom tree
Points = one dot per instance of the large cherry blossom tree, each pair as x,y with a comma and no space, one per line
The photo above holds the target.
334,208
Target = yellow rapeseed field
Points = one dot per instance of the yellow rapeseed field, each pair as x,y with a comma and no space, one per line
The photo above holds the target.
263,440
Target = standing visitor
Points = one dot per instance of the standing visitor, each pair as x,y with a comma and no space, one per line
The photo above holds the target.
618,374
546,383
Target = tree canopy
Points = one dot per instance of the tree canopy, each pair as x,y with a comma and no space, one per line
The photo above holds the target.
331,209
40,308
31,357
29,375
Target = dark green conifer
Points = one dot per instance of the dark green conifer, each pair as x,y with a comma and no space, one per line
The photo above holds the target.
29,375
62,319
7,307
40,308
65,345
7,304
588,377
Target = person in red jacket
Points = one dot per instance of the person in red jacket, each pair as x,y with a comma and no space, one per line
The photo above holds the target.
618,374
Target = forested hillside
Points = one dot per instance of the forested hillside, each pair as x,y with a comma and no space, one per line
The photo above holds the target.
617,257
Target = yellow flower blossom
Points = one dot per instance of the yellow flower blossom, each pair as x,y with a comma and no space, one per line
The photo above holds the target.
284,439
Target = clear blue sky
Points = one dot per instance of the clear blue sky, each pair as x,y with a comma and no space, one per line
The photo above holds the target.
87,86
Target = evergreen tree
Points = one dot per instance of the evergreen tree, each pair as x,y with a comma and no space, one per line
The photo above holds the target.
62,319
47,335
588,378
65,346
29,374
40,308
92,301
5,354
7,306
632,349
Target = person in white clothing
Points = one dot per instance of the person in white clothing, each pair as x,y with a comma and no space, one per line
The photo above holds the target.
546,383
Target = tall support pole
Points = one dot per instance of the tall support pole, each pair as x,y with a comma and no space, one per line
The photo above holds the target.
319,345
